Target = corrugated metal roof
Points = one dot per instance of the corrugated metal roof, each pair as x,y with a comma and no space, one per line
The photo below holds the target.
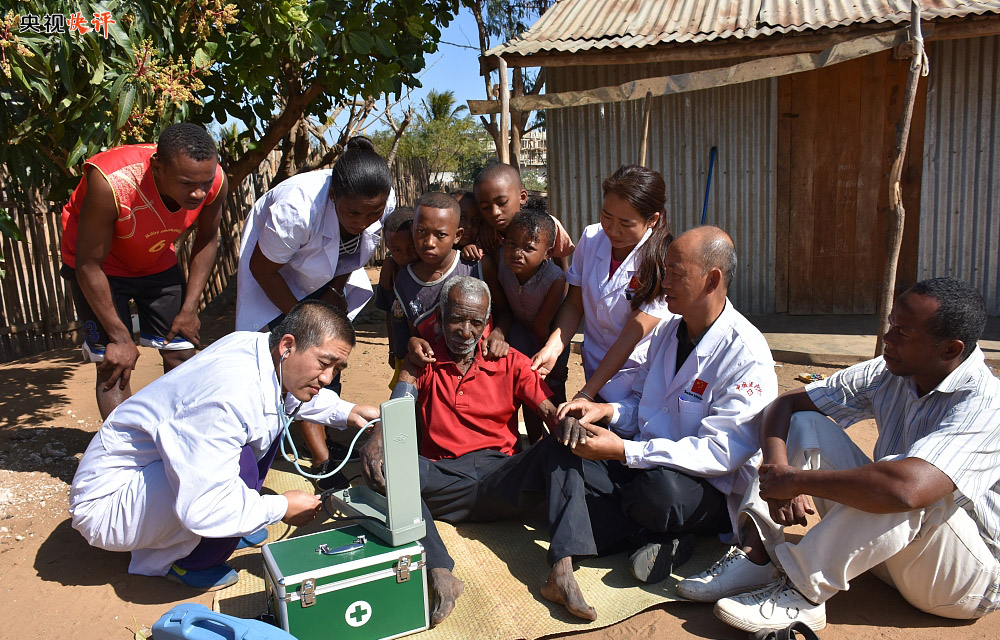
579,25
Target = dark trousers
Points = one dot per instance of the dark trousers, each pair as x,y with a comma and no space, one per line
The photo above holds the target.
487,485
636,506
214,551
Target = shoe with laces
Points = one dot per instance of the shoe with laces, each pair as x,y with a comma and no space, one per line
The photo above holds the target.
211,579
774,607
732,575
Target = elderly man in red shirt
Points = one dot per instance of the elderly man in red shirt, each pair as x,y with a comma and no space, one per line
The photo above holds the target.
469,466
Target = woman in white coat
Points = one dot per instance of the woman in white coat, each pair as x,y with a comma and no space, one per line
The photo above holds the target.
614,284
310,237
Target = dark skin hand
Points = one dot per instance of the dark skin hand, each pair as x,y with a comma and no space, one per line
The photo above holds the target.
96,231
203,252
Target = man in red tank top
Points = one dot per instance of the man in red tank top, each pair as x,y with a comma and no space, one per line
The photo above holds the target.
119,229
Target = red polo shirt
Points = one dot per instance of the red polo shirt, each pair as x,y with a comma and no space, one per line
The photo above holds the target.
478,410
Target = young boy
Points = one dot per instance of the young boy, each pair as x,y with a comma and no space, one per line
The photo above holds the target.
470,218
399,240
534,288
499,195
436,231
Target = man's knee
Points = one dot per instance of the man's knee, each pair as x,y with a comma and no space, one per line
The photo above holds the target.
173,358
661,499
804,434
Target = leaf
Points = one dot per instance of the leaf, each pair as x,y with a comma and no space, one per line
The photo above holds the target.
201,58
8,227
125,107
360,42
76,153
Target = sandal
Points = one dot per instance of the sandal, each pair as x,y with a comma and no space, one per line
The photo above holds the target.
794,631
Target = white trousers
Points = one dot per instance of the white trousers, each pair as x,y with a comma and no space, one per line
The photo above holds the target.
935,557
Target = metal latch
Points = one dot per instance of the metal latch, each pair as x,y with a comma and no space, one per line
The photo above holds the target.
359,543
403,568
307,592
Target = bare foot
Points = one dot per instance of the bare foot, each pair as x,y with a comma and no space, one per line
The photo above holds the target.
562,588
446,589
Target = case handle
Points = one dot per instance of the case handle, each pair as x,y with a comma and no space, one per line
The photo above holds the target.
359,543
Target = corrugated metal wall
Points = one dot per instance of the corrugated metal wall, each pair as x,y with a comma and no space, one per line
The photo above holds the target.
587,144
960,199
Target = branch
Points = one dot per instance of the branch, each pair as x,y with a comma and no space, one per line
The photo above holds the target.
399,135
295,106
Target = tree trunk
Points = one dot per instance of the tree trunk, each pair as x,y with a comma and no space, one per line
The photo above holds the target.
917,68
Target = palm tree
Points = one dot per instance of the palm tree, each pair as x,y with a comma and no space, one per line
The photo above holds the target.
439,105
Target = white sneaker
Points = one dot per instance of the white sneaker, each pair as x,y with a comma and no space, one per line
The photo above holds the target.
773,607
732,575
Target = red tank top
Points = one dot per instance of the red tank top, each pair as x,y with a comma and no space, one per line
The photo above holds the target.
145,231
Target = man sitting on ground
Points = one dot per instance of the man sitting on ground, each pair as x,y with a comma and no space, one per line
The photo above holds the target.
468,468
174,474
925,517
680,450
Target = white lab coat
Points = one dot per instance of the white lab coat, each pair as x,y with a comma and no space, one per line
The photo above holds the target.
296,225
605,307
704,420
163,470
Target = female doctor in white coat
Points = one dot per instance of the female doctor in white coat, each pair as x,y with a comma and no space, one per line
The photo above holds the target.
310,237
614,284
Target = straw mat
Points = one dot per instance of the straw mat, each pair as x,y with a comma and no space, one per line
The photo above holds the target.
503,565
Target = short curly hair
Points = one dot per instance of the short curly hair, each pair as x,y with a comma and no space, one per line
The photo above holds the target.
187,139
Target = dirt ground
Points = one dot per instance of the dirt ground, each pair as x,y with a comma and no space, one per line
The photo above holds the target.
55,586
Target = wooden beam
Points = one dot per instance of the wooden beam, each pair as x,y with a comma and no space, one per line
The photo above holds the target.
707,79
646,112
504,150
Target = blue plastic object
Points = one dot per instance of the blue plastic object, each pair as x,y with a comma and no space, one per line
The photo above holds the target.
191,621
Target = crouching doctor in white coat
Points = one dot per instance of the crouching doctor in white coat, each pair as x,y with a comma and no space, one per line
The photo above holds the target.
174,473
681,448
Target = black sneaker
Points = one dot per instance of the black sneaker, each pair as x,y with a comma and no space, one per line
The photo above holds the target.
333,483
338,452
655,561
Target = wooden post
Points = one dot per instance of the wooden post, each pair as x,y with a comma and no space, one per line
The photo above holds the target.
645,130
504,150
917,68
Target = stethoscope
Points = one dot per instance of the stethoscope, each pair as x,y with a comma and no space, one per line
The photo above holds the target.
286,435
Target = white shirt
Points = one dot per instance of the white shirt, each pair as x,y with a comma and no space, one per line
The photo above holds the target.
605,307
179,440
955,427
703,420
296,225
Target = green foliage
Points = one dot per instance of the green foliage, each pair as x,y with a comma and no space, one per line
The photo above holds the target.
440,138
68,96
533,180
8,228
440,105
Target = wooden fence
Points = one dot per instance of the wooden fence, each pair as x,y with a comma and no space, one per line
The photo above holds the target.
36,307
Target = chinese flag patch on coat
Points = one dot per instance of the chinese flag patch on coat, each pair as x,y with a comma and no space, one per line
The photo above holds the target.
699,386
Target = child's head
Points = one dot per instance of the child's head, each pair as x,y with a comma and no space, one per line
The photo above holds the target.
528,242
436,229
499,194
470,217
399,237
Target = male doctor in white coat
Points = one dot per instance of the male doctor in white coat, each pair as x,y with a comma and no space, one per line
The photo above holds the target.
680,451
174,474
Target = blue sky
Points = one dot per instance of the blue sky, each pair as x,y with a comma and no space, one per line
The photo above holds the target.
452,68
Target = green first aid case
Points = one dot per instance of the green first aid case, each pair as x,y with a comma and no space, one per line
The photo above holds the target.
345,583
